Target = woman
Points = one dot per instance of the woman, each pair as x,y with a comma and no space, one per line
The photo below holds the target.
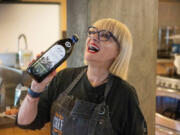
89,100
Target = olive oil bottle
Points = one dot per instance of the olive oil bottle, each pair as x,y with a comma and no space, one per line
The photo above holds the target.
52,58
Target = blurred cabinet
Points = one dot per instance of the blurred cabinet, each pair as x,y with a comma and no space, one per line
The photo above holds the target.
165,67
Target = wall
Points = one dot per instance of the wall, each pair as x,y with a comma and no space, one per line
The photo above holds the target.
63,23
30,19
168,13
62,12
141,18
77,22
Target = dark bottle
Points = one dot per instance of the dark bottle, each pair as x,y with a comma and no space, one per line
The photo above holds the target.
52,58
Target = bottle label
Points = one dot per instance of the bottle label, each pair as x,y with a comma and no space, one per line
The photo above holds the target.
49,60
68,44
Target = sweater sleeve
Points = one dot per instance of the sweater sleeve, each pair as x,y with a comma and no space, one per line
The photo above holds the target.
136,124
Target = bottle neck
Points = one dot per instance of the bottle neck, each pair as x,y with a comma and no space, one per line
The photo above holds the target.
74,41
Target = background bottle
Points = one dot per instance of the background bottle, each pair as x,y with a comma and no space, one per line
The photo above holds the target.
52,58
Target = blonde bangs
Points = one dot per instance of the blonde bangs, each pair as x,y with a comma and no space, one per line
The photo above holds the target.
120,65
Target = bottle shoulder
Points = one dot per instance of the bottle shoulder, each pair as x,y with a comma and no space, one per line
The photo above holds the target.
63,41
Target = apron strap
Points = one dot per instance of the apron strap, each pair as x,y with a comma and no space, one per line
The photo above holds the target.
75,81
67,90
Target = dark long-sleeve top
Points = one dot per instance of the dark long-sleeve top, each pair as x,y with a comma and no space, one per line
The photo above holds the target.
125,114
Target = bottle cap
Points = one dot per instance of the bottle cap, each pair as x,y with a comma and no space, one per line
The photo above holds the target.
75,38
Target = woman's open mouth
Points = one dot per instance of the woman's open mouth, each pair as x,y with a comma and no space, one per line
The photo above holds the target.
93,48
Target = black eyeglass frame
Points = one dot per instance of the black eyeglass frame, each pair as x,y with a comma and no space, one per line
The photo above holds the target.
110,35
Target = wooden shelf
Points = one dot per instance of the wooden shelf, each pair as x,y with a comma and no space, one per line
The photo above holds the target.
165,60
169,0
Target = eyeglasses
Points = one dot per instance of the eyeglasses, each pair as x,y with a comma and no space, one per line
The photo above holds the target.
103,35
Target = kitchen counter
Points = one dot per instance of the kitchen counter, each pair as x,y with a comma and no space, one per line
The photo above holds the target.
6,122
11,77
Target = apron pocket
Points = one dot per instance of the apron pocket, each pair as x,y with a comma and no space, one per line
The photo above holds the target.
80,126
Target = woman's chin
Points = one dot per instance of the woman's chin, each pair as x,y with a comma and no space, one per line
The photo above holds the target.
89,60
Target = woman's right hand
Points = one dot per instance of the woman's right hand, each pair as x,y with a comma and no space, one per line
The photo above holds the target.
39,87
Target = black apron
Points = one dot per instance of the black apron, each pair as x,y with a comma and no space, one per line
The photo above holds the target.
71,116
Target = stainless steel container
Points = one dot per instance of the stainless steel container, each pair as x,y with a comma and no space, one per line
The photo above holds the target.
167,106
11,78
8,59
2,95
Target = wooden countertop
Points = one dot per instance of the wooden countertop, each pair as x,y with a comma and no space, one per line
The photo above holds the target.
6,122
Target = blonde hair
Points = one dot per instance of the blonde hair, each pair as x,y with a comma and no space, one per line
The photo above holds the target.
120,65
